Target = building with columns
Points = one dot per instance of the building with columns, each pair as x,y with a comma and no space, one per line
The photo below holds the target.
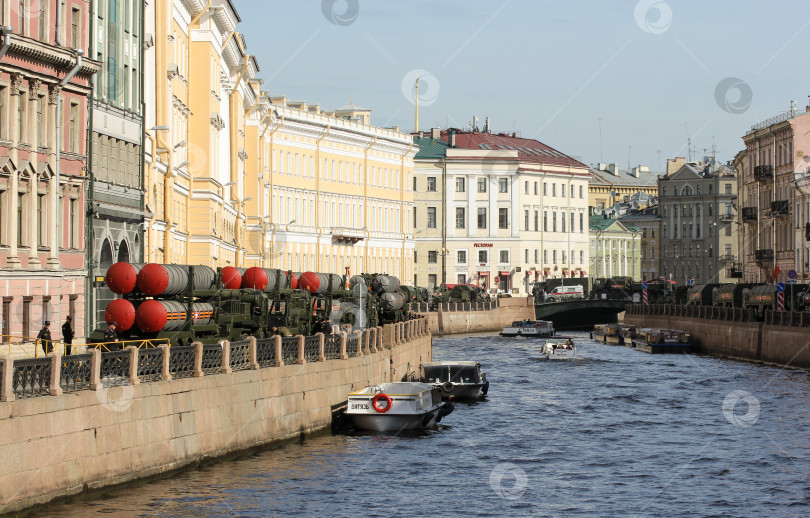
239,177
44,85
697,205
498,211
774,182
615,249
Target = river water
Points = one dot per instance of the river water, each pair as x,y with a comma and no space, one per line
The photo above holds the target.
615,432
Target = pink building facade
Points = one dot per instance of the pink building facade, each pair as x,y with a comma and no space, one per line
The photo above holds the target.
44,85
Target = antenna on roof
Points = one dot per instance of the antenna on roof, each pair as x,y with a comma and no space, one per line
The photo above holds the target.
688,143
486,125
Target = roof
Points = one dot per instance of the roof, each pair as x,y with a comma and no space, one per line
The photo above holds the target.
351,107
529,150
429,148
598,222
625,179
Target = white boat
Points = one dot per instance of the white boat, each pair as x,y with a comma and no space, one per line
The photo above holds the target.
391,407
457,380
529,328
559,348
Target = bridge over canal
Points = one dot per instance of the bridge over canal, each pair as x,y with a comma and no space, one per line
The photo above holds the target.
580,313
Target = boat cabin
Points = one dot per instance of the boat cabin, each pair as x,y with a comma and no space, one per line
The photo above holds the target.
455,372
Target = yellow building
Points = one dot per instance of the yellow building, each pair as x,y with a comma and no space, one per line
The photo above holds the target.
340,193
241,178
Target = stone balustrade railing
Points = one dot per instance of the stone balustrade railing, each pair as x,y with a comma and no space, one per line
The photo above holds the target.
774,318
55,374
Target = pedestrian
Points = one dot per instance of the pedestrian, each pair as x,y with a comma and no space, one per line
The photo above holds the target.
110,335
67,334
44,336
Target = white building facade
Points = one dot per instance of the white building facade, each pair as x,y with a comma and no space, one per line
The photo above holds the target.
498,211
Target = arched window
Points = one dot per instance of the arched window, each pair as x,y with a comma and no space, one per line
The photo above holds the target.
687,191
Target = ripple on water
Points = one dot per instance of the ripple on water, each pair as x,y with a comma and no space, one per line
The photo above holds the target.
617,432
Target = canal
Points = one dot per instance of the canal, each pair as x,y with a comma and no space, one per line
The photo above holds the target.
616,432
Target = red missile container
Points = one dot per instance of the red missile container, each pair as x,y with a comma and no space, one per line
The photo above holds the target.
121,278
154,316
168,280
254,279
231,278
122,312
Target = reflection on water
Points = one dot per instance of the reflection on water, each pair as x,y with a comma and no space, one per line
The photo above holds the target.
616,432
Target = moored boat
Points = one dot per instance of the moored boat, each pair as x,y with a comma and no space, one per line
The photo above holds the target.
457,380
662,341
559,348
390,407
529,328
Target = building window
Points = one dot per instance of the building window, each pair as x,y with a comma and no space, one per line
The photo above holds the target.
42,216
505,256
21,241
432,279
431,217
460,187
433,256
76,27
580,192
21,118
536,255
728,229
535,187
581,223
581,257
554,189
652,231
545,189
711,189
562,221
503,217
554,222
482,217
482,185
431,184
536,220
572,222
526,255
461,278
461,219
711,209
526,187
545,221
483,257
545,256
526,221
73,128
562,190
503,184
554,256
461,257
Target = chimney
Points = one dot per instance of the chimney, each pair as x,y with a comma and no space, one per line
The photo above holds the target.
451,138
613,169
807,108
601,167
435,133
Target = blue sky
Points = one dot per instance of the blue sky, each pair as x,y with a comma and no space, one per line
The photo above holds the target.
548,70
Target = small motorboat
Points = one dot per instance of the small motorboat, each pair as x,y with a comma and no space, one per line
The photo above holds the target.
559,348
529,328
662,341
391,407
457,380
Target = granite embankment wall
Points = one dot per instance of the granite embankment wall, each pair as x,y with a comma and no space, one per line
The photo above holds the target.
57,445
454,319
783,339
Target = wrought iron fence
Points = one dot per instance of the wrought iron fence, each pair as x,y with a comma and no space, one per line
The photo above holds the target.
331,347
114,368
352,346
32,377
289,350
312,349
75,374
212,359
265,352
181,361
240,355
150,364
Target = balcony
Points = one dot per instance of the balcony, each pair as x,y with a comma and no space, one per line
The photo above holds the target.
765,254
734,271
727,258
726,217
763,172
749,214
780,208
350,236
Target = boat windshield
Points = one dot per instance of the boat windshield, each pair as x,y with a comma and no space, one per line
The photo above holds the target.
454,373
